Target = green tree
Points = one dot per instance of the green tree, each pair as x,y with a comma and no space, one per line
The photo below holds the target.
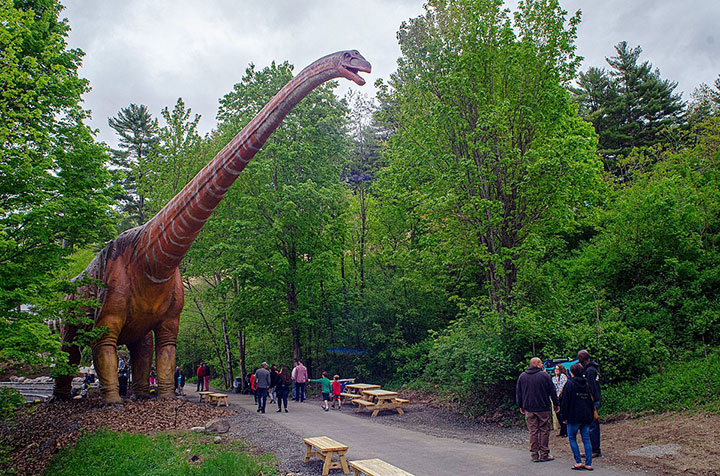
631,106
488,157
137,134
54,185
177,157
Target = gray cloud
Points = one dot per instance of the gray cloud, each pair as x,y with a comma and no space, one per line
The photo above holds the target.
154,52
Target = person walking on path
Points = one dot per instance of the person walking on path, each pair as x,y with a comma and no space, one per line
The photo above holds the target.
175,378
336,391
200,373
593,379
207,376
282,389
180,382
262,380
273,382
559,380
253,387
533,393
326,389
301,379
576,409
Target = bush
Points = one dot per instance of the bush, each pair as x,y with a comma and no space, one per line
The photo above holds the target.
10,400
684,384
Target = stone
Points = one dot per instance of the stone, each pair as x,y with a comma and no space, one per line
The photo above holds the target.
217,439
217,425
656,451
198,429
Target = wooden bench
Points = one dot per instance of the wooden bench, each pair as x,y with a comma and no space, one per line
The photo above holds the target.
363,404
376,467
218,398
326,449
204,396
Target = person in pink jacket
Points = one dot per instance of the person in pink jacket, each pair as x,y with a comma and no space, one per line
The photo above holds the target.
301,378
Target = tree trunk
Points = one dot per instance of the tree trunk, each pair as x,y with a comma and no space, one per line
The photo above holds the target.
228,354
212,338
241,351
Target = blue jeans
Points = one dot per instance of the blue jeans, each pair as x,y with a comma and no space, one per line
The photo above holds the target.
595,433
282,396
300,392
294,390
262,398
572,429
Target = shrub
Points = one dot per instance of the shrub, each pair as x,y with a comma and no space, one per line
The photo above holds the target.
10,400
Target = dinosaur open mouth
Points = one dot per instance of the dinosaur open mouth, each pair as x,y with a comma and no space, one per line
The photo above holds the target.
352,74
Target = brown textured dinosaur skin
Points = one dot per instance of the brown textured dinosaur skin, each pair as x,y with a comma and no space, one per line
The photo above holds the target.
144,293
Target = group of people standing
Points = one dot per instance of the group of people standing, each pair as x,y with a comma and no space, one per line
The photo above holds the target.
575,400
203,377
275,383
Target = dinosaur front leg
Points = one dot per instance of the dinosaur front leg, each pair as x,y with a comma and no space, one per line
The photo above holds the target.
105,358
141,357
165,349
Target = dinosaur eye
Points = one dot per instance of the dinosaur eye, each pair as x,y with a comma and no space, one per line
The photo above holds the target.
347,55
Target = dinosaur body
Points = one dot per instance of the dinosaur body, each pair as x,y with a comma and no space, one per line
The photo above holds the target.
144,293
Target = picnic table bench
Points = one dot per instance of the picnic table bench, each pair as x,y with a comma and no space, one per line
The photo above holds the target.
378,400
218,398
204,396
376,467
326,449
355,390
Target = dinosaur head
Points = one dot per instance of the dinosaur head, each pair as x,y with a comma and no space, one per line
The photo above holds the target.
349,63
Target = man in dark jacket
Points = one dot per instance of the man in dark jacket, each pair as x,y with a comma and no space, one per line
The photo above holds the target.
533,393
593,380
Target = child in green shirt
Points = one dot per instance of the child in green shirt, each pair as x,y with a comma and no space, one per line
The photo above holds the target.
326,385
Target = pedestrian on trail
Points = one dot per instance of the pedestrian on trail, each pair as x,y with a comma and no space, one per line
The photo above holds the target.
576,409
180,382
262,380
336,391
533,393
200,373
559,380
253,386
175,378
301,379
282,389
207,376
123,383
593,379
273,382
326,389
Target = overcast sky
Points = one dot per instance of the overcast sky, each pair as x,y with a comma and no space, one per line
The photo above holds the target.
151,53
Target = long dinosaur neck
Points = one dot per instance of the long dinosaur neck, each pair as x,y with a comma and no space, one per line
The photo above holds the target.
167,237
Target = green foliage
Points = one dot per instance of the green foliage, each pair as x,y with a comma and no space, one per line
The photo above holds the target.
10,400
54,185
107,453
685,382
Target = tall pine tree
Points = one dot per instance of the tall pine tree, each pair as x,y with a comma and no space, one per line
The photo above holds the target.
138,137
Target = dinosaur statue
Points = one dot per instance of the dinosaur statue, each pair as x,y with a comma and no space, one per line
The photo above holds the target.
144,295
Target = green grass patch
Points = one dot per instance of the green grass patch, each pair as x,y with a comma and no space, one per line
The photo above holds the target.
108,453
685,384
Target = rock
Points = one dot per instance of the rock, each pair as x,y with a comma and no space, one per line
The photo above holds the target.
198,429
217,439
218,425
656,451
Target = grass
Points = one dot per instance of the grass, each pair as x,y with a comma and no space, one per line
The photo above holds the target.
692,383
108,453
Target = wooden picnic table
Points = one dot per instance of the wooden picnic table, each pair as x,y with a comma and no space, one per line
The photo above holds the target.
354,391
378,400
326,449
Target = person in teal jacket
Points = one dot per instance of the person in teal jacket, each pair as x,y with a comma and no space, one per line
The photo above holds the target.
326,385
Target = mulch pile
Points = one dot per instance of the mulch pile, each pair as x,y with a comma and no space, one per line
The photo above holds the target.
38,431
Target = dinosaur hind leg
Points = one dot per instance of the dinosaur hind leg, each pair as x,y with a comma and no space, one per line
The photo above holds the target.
165,352
141,357
63,384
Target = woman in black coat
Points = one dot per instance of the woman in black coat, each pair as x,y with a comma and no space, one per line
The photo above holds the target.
576,410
